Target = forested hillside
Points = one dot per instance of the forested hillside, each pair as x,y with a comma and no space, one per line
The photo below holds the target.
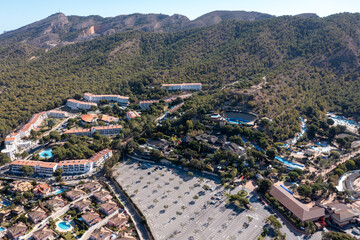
307,61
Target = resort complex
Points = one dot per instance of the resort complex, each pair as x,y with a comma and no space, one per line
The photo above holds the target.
220,159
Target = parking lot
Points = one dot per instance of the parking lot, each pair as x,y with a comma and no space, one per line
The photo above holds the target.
178,206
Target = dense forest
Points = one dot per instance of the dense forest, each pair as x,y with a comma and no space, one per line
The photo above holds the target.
307,61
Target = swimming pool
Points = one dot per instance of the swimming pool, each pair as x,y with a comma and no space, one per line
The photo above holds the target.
59,191
47,153
290,165
64,226
2,229
6,203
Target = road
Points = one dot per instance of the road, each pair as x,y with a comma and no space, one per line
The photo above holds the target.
136,219
88,233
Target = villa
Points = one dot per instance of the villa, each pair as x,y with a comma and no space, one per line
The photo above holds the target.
20,187
102,196
92,186
111,98
101,234
82,205
17,230
37,215
56,202
182,87
75,194
118,221
76,104
108,207
41,190
132,115
91,218
43,234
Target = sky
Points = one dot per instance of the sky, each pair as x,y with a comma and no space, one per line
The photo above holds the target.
18,13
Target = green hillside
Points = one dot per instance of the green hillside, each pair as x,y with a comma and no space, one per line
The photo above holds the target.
307,61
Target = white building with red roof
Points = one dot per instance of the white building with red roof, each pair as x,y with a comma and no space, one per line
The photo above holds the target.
76,104
111,98
100,157
132,115
39,167
182,87
76,166
57,114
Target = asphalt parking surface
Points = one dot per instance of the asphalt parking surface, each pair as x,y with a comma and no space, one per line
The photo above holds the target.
176,205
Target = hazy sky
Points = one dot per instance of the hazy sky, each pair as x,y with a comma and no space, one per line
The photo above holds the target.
17,13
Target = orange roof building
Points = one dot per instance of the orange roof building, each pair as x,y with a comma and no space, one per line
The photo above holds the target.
132,115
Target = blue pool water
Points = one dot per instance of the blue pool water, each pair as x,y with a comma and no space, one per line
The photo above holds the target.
2,229
47,153
59,191
291,165
5,203
64,225
286,189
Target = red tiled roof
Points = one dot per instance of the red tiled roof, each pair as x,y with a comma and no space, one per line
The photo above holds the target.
93,95
108,127
77,131
88,117
73,162
81,102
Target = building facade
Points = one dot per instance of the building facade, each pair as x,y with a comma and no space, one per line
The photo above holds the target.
76,104
182,87
111,98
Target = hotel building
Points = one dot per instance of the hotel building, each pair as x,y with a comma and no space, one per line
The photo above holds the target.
111,98
182,87
39,167
57,114
69,166
103,130
75,104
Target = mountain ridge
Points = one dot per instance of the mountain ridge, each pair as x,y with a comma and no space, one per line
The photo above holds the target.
59,29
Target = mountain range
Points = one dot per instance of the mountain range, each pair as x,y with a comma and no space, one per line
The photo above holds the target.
59,30
308,61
